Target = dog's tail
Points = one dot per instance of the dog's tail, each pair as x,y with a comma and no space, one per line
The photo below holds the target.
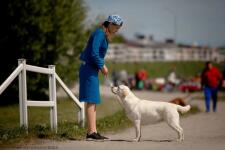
184,109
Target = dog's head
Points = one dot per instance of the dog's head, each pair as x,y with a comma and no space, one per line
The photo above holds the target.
121,90
179,101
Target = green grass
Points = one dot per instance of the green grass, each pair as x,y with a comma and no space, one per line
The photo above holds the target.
67,111
111,118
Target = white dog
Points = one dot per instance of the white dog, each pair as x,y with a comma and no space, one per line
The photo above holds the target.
149,112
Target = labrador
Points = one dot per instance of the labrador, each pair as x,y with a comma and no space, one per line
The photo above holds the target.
141,111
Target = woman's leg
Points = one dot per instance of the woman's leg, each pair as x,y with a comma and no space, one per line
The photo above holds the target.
91,117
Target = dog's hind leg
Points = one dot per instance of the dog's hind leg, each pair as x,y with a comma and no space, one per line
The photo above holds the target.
137,125
179,131
174,124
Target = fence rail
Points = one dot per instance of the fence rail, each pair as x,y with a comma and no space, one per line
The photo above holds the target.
68,91
52,103
14,74
40,103
39,69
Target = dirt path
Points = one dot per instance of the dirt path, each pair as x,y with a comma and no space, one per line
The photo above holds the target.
202,132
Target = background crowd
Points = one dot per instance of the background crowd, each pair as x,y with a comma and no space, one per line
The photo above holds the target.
141,80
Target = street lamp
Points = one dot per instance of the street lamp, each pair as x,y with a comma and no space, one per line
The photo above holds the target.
175,22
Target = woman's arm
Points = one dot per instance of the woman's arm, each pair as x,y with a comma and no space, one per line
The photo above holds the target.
96,44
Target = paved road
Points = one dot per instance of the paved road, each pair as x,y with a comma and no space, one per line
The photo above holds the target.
202,132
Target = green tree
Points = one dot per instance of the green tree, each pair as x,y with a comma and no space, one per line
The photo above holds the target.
43,32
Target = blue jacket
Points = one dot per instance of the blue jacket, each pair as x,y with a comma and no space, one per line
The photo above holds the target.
96,49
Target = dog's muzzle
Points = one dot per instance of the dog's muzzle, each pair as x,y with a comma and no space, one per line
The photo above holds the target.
115,89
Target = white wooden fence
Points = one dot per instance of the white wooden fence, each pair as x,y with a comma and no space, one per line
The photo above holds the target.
52,102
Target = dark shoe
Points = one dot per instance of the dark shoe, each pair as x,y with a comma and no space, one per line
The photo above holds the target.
95,136
102,137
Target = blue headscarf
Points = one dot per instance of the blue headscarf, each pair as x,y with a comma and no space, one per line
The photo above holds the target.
115,19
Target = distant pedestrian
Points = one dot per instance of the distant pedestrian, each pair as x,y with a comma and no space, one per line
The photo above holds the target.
172,77
210,80
140,76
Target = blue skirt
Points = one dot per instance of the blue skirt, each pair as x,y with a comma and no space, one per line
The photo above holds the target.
89,84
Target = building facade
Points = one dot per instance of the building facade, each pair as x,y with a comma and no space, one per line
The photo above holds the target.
161,52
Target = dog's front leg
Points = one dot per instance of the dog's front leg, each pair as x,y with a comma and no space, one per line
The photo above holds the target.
137,125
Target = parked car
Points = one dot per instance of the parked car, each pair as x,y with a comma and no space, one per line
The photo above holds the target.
189,87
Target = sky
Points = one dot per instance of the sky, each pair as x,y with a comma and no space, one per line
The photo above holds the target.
200,22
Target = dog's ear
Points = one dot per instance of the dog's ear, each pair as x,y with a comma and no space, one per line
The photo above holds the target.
125,92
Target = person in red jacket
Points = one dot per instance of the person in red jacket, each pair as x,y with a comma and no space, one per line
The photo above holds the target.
210,80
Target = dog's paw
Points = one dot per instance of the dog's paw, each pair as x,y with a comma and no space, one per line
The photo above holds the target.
180,140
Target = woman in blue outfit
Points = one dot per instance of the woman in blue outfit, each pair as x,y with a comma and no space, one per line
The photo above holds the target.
92,59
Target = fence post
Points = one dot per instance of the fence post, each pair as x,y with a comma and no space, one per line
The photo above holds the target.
23,95
52,97
81,115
